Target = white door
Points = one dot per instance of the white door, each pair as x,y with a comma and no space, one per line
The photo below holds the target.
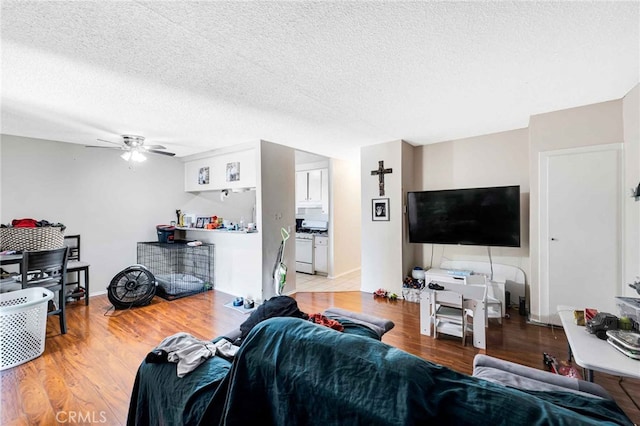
580,248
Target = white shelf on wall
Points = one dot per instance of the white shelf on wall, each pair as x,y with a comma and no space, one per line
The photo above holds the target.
225,231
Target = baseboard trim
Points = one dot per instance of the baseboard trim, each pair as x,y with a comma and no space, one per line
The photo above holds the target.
333,277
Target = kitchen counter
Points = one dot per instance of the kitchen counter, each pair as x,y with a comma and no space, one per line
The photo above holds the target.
224,231
238,259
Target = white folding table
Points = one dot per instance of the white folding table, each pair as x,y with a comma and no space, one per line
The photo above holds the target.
592,353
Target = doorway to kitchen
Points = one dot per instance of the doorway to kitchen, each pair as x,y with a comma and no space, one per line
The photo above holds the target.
320,283
328,223
312,214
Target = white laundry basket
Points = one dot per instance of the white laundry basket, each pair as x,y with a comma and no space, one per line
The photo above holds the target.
23,325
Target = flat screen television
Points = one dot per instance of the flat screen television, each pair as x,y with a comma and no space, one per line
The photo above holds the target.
475,216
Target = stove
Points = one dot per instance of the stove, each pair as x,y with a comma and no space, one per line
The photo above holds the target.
314,227
305,236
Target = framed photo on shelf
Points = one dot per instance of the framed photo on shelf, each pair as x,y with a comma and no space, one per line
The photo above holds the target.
202,221
380,209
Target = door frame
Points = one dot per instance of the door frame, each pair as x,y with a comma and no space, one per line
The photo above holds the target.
543,214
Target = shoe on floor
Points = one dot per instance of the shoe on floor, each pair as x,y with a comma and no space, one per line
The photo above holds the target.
435,286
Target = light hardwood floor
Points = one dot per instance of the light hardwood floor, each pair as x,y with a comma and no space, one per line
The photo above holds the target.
91,369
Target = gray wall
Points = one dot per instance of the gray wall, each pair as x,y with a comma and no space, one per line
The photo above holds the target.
496,159
505,158
596,124
345,222
631,125
94,193
382,264
276,190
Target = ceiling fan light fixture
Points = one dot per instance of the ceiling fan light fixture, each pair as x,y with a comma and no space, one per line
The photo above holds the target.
134,155
138,157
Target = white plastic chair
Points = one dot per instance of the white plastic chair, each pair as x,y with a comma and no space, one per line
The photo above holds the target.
450,315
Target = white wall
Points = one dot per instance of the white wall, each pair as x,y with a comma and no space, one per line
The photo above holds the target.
382,240
345,220
497,159
631,234
94,193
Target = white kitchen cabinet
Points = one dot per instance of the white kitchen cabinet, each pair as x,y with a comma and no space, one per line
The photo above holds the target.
321,254
315,186
312,189
301,187
224,171
325,191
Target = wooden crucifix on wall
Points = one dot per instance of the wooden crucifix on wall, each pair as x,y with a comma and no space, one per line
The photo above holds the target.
381,172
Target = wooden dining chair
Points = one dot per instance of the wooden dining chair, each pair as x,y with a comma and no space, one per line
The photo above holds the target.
48,269
75,266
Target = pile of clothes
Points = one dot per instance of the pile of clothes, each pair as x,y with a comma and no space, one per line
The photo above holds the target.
32,223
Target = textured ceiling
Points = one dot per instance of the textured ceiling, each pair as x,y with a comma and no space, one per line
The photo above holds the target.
325,77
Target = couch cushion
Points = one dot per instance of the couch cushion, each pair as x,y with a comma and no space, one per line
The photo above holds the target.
523,377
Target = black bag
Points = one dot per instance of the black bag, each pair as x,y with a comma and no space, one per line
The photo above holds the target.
277,306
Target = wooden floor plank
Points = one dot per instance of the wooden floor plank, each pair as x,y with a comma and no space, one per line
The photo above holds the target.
91,369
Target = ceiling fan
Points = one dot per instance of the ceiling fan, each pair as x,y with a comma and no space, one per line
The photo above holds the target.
134,148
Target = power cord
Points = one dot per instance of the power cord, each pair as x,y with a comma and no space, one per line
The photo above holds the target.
627,393
431,262
490,262
115,314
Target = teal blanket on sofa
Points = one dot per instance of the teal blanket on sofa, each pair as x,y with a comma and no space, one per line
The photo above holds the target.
292,372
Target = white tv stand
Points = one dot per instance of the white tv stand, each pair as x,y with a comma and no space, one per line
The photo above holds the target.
435,274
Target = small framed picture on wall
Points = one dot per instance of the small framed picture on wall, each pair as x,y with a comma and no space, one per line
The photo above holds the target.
203,176
380,209
233,171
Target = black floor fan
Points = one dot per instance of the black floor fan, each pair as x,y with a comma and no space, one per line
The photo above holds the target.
131,287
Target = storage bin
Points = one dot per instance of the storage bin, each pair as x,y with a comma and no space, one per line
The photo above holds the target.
20,239
23,325
629,307
165,233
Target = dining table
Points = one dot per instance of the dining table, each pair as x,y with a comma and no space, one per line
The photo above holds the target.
7,279
10,259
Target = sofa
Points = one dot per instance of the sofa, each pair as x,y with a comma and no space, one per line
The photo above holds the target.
289,371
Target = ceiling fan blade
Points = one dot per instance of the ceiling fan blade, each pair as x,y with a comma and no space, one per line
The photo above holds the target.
148,147
115,143
170,154
103,147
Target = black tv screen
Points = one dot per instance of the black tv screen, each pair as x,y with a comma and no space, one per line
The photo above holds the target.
476,216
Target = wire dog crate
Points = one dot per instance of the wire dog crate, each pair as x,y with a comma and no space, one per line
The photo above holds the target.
180,270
